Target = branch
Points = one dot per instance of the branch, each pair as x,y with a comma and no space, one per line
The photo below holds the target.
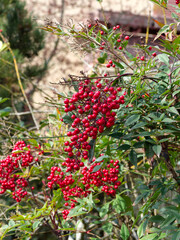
167,161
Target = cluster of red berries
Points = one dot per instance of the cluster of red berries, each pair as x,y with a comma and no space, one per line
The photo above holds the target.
92,111
11,166
105,177
177,1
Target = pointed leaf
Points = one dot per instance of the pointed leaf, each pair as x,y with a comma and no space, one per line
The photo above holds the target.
157,149
104,210
108,227
92,143
150,236
132,119
133,157
119,204
173,110
164,29
124,233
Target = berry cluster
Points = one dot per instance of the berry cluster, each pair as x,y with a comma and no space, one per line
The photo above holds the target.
177,1
11,166
105,177
91,110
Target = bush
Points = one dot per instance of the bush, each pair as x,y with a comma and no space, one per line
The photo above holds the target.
117,176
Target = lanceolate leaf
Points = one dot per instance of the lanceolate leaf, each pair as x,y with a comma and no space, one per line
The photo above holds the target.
164,29
132,119
133,157
124,232
150,236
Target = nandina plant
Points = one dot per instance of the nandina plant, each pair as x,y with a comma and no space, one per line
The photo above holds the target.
117,176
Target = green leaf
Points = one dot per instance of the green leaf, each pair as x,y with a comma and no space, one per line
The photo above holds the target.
67,119
150,236
168,220
79,210
117,135
175,92
119,65
163,58
92,143
99,159
124,233
138,145
98,37
168,120
155,1
33,142
110,36
148,150
3,99
176,236
97,168
36,225
92,45
173,110
157,219
124,147
104,210
139,125
133,157
119,204
157,149
132,119
141,229
5,112
164,29
107,227
101,60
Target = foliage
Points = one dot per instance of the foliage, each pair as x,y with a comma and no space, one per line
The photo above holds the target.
26,40
21,34
134,96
